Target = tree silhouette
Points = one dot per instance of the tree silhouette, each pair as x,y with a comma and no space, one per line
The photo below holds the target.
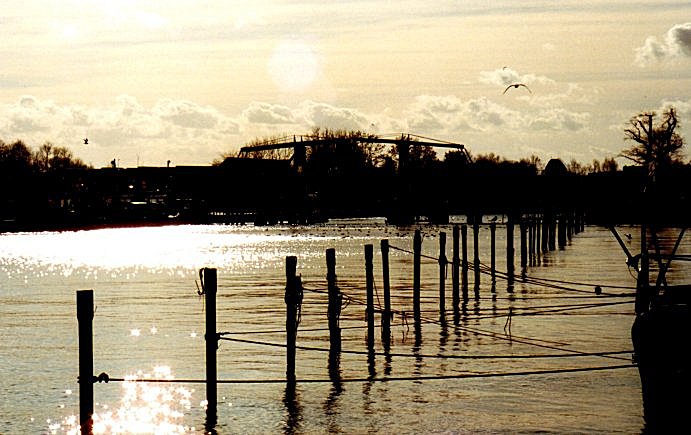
15,158
655,146
51,158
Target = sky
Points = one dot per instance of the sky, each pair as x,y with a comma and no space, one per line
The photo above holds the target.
187,81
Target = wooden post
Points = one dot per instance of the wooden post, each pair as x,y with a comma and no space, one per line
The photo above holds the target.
509,248
582,224
642,303
334,310
386,315
464,261
211,337
493,249
369,279
476,253
545,232
522,226
562,231
291,300
85,315
442,275
417,254
455,269
538,240
531,241
552,232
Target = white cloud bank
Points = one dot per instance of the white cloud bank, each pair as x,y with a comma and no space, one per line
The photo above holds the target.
189,133
676,45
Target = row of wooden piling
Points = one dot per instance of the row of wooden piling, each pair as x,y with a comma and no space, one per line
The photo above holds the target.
532,243
537,234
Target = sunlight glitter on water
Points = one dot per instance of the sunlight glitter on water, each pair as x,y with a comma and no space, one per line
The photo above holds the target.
144,408
165,249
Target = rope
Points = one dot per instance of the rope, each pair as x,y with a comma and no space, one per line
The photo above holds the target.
487,270
434,356
389,379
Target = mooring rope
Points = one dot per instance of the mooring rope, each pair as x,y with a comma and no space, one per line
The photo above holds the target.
504,275
387,379
434,356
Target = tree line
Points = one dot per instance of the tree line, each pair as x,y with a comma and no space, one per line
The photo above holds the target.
18,159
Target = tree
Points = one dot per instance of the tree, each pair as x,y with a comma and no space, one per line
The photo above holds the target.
655,146
50,158
576,168
15,158
533,161
609,165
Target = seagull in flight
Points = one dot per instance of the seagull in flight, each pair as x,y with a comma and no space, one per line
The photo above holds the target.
516,85
86,141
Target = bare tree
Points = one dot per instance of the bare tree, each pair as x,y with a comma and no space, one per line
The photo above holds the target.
655,146
609,165
49,158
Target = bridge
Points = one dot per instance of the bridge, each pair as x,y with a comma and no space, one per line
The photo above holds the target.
299,143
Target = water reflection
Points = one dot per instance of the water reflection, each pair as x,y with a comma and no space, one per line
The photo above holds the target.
291,401
331,404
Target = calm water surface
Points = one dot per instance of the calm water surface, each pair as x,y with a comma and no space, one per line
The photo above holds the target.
149,321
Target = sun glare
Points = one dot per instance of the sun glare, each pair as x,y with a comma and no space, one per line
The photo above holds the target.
293,66
143,408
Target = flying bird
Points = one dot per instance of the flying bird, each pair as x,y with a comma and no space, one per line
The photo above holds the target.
516,85
86,141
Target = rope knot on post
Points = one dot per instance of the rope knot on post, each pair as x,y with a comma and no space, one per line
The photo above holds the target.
102,377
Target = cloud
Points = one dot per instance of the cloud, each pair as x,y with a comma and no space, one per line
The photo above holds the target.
451,115
683,107
322,114
506,76
191,133
265,113
126,128
676,45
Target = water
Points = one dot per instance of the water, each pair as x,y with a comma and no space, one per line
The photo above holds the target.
149,321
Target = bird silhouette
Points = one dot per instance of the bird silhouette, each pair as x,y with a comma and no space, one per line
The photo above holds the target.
628,236
86,141
516,85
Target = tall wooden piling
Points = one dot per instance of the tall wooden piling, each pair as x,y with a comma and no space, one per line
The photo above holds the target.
386,315
509,248
524,246
493,250
442,274
369,279
455,269
531,242
538,239
562,230
476,253
85,315
552,232
464,261
334,309
417,255
291,300
545,233
211,337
